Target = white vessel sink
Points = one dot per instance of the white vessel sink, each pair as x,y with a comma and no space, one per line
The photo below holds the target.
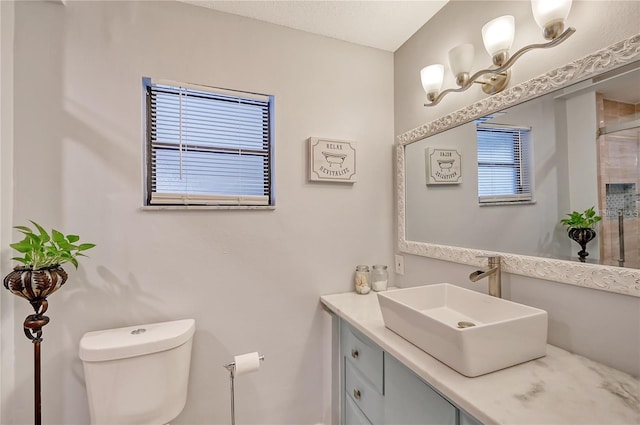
498,333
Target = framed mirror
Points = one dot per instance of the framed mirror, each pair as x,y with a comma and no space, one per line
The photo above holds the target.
580,154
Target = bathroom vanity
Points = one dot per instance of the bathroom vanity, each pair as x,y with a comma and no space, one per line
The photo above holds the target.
384,379
379,389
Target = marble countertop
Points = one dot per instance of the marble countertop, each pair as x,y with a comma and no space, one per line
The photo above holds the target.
560,388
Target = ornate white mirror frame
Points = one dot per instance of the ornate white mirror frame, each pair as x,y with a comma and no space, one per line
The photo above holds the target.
606,278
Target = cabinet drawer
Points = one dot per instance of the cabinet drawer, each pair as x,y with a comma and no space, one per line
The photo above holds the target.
365,355
363,394
408,400
353,415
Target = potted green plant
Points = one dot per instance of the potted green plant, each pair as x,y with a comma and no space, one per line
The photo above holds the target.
40,275
581,228
43,253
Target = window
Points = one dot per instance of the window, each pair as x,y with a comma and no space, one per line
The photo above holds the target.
503,164
207,146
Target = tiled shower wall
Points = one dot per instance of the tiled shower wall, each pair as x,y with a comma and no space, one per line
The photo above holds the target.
618,183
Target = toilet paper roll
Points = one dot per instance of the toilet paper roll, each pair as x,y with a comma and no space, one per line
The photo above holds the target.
247,363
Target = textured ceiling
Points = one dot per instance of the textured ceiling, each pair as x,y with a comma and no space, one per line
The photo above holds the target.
381,24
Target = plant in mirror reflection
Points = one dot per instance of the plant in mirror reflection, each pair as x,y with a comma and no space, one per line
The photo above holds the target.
581,220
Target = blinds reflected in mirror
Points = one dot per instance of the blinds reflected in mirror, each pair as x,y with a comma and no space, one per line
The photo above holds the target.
504,163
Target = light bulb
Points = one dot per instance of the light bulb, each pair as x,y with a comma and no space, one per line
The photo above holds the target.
550,15
497,36
461,61
432,77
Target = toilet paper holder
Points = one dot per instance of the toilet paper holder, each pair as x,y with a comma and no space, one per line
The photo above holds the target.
231,367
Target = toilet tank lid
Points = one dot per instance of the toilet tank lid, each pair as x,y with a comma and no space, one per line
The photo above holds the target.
131,341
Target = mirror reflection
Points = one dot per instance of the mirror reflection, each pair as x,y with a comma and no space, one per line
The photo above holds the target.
524,169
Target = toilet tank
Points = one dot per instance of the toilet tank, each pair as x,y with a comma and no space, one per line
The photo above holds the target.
138,374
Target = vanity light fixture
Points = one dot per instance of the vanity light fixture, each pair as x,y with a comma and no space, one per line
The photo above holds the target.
497,36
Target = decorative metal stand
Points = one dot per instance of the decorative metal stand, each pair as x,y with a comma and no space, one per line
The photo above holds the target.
582,236
35,286
33,330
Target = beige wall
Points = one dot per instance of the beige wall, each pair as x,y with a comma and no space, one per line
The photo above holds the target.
7,328
599,325
251,279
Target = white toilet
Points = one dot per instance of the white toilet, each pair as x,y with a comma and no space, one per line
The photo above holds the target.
137,374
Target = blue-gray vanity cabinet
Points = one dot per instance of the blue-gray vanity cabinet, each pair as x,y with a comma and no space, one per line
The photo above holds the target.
364,395
353,415
363,376
364,355
377,389
408,400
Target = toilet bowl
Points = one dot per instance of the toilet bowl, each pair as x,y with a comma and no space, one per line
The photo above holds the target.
137,374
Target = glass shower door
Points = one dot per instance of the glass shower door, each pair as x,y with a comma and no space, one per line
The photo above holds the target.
619,177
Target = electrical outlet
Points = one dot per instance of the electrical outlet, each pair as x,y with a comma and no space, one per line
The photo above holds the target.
399,264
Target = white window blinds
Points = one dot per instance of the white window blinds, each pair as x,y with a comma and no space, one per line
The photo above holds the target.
503,164
207,146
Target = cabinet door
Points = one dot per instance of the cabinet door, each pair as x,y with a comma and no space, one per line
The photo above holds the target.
364,355
408,400
353,415
363,394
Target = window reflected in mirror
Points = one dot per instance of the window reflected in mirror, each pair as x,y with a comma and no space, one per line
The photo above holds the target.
504,163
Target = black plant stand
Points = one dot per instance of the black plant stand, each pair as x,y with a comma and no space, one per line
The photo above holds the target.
33,330
35,286
582,235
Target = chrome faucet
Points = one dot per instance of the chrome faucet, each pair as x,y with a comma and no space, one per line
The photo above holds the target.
494,274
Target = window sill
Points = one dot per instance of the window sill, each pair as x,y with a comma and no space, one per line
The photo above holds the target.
206,207
492,204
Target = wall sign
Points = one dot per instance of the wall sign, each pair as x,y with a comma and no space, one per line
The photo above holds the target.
443,166
332,160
